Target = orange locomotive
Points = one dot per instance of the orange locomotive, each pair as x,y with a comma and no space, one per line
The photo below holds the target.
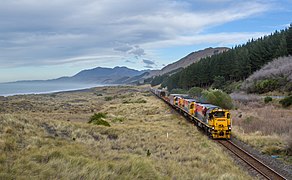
215,121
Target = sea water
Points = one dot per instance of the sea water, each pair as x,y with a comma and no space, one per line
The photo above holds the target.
17,88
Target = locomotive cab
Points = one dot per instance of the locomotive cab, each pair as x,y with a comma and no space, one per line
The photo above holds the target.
220,122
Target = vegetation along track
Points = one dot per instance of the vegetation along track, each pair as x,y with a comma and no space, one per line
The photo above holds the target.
250,160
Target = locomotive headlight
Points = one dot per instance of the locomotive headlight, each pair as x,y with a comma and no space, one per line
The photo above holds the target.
229,127
213,127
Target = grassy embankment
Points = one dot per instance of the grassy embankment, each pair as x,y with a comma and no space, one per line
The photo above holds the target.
267,127
48,137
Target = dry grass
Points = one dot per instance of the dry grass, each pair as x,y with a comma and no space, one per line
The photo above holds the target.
267,127
244,98
146,140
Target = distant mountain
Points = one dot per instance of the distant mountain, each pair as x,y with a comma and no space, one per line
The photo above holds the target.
102,75
98,75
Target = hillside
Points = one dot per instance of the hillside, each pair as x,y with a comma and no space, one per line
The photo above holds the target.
191,58
186,61
276,75
234,65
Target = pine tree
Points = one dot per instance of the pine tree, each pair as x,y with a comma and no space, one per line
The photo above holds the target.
289,40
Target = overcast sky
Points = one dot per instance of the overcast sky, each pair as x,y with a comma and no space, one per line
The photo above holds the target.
44,39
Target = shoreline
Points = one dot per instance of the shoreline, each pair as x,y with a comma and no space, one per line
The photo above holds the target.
71,90
81,89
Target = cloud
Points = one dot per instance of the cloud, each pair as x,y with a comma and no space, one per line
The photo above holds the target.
128,61
134,50
34,32
222,39
149,62
137,51
123,48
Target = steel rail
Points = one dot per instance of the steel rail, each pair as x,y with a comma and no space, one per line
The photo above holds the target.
256,164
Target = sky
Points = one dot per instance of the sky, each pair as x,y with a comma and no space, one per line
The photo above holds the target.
46,39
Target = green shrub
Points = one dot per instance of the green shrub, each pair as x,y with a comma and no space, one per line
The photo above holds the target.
178,91
232,86
288,87
108,98
148,152
98,119
195,92
268,99
140,100
286,102
266,85
98,116
218,98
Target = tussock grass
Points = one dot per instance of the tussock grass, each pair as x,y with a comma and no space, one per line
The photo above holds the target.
99,119
245,99
145,141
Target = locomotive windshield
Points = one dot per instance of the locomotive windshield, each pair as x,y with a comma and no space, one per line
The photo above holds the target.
219,114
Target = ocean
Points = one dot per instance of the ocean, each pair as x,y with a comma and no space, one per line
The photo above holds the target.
18,88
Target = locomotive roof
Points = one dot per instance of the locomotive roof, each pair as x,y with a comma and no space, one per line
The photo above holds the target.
208,105
181,95
192,100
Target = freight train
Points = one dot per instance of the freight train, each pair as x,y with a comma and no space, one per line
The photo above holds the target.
215,121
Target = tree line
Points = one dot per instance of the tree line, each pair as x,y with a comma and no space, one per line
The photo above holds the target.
231,66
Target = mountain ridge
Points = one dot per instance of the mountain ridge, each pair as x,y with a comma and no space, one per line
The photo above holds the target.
192,58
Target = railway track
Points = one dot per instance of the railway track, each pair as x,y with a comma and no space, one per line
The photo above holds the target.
260,167
254,163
